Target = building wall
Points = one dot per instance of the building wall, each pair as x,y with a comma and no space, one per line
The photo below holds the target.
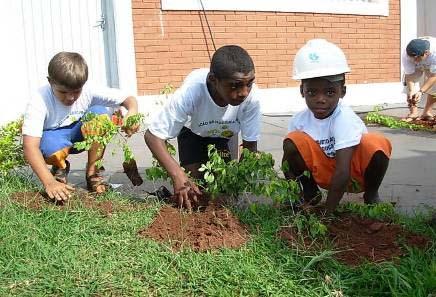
169,44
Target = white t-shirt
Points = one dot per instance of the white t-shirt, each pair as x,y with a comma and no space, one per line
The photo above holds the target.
426,65
342,129
192,105
44,111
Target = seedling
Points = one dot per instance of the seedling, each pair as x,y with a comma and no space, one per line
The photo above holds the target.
373,211
166,90
156,171
254,173
393,123
309,224
102,129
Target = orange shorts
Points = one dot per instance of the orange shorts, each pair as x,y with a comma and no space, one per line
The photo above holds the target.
323,167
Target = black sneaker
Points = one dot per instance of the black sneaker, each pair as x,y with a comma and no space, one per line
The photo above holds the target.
61,174
163,194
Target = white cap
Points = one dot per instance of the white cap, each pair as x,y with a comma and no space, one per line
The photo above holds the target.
318,58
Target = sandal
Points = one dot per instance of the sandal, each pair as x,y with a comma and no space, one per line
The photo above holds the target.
162,193
426,118
61,174
409,119
95,183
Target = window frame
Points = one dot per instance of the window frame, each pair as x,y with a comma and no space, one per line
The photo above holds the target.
357,7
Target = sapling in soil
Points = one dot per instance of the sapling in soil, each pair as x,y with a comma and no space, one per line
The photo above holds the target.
254,173
102,129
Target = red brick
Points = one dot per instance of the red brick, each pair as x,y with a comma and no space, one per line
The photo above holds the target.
167,54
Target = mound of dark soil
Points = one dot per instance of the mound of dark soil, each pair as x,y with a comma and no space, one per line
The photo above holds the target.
211,228
360,240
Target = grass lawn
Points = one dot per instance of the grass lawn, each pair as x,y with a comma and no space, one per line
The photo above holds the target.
79,252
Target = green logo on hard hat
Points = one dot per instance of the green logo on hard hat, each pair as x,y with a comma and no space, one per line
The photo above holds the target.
313,57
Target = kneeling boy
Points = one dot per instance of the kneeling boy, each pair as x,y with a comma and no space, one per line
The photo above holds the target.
52,123
328,139
210,107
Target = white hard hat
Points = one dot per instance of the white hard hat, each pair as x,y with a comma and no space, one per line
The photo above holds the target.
318,58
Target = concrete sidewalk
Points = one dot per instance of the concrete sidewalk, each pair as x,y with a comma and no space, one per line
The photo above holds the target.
409,181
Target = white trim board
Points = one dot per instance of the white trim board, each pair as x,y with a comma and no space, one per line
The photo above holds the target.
359,7
125,46
289,100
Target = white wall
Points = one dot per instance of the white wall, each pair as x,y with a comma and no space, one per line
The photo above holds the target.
289,100
32,31
408,21
13,80
125,45
426,18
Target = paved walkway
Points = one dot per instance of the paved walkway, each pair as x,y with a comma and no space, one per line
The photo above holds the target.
410,181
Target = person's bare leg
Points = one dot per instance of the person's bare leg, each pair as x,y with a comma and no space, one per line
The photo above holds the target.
297,166
427,113
95,154
373,177
413,113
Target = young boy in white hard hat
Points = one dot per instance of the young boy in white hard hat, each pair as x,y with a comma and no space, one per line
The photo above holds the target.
419,59
327,138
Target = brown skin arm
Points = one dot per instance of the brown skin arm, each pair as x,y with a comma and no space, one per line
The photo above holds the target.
340,178
131,104
32,153
409,84
185,190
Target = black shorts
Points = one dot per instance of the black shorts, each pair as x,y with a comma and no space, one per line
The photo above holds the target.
193,148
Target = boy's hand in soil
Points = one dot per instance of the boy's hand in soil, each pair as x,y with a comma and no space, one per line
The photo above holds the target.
186,194
58,191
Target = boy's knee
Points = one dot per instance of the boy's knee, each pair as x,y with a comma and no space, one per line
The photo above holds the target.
52,143
289,147
380,157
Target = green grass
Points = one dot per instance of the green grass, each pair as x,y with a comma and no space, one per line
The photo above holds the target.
82,253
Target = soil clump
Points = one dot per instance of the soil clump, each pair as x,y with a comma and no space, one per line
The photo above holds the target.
358,240
210,227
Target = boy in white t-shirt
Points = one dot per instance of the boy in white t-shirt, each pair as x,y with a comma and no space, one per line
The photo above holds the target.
328,139
419,59
210,107
52,124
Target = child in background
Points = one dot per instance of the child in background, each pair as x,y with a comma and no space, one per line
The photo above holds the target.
419,59
328,139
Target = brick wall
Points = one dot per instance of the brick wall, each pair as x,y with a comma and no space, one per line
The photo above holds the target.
169,44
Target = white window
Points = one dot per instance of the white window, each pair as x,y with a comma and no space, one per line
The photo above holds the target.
359,7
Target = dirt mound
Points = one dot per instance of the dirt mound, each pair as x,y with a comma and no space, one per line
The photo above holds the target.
360,240
80,198
213,227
